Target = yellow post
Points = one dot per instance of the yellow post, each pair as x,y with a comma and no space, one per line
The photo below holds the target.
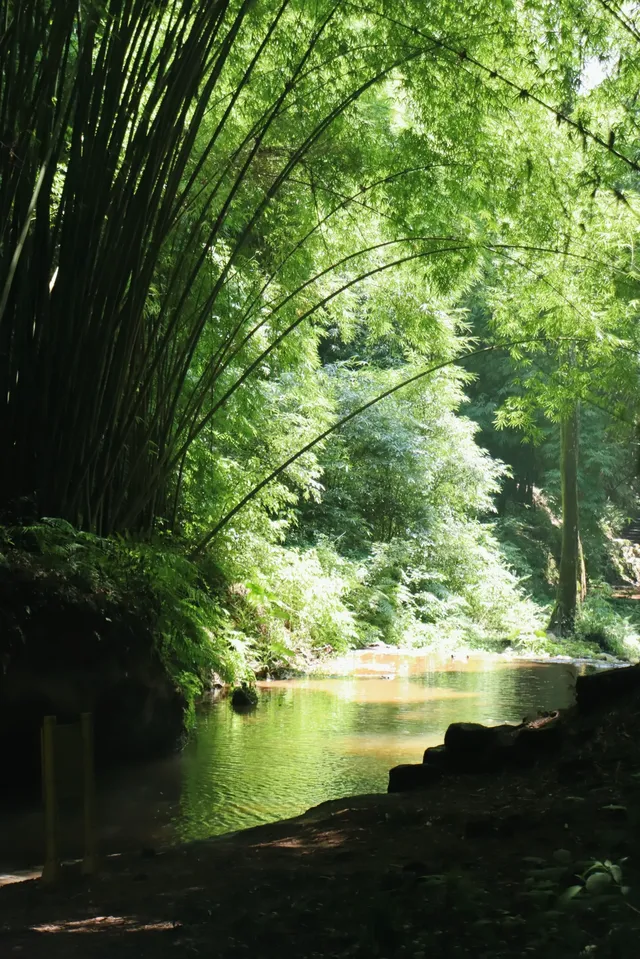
50,869
90,857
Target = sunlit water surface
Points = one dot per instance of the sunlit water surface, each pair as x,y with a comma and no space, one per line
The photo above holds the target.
309,740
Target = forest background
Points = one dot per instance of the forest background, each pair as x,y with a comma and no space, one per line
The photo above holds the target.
226,227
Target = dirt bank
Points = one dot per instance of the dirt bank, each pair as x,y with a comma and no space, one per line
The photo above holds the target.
483,865
68,647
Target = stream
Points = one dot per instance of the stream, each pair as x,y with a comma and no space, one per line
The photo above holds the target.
308,741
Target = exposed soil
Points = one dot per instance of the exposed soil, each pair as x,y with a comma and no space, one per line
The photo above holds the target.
478,865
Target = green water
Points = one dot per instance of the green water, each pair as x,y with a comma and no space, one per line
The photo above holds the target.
312,740
308,741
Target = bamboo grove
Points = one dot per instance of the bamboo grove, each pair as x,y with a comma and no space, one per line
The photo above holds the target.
188,187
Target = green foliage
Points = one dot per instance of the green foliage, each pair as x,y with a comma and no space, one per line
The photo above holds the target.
225,226
155,583
530,540
598,879
613,631
289,604
450,590
406,486
267,167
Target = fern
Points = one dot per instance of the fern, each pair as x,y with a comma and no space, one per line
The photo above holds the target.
191,630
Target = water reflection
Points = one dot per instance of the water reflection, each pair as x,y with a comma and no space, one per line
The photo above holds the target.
318,739
308,741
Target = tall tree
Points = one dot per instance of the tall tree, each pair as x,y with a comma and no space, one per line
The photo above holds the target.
572,576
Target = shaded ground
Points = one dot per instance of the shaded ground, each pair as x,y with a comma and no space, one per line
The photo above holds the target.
477,866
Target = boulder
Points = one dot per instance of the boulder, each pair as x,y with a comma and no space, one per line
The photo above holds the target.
469,739
605,686
437,756
410,776
474,748
244,697
66,652
540,737
449,761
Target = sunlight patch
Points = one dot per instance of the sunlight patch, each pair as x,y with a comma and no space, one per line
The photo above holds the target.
102,923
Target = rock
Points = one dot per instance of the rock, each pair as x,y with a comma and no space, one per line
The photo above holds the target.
75,653
473,748
467,737
410,776
472,738
437,756
448,761
540,736
244,697
605,686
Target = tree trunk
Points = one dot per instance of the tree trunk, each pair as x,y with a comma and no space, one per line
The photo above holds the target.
572,582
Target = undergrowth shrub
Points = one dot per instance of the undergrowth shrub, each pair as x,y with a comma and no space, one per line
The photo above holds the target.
192,630
529,538
612,631
442,590
289,603
447,589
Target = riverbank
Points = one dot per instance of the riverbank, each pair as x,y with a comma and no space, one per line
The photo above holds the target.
551,651
135,633
485,865
310,740
75,639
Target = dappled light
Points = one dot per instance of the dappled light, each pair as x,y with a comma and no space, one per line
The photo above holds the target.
23,875
98,924
373,690
331,839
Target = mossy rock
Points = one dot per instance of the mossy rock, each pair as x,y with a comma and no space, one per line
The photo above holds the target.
244,697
